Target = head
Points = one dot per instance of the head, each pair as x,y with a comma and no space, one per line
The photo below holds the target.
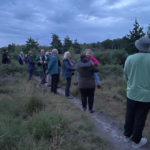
47,53
50,53
26,55
143,44
21,53
30,53
67,55
42,52
83,58
88,52
55,51
5,51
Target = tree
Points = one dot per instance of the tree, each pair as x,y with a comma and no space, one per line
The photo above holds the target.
148,31
67,44
84,47
72,51
56,43
11,47
30,45
129,39
107,44
77,47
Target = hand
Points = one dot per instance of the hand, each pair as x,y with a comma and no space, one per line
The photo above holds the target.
44,62
8,57
40,62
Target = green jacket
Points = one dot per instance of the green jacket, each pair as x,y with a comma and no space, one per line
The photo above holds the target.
137,75
42,67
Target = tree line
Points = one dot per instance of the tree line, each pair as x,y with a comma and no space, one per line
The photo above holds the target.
126,43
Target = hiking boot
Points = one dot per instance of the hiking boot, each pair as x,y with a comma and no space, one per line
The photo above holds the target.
142,143
92,111
84,109
127,139
75,83
70,97
98,86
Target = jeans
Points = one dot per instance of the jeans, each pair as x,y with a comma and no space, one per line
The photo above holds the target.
136,116
87,94
54,83
30,74
43,77
67,93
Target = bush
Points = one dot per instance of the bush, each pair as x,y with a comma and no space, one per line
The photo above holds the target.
109,69
34,104
13,67
47,124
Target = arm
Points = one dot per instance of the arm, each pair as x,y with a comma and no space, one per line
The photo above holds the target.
125,72
51,63
30,60
67,66
95,61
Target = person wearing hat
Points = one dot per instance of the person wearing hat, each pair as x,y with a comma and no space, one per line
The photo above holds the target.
137,75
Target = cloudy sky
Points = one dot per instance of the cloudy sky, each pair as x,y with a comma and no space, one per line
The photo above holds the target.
86,20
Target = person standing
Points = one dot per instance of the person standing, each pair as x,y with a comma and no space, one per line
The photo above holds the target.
5,57
68,69
53,69
21,58
47,72
137,75
31,64
86,82
41,62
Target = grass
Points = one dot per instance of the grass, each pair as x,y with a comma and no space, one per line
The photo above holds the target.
33,120
111,98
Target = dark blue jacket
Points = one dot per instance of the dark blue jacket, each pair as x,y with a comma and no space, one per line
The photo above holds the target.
20,60
67,69
31,63
53,64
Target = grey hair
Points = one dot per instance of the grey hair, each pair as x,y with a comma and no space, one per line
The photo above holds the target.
65,54
21,52
54,51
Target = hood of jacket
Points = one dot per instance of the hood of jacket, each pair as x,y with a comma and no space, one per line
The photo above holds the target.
84,65
52,55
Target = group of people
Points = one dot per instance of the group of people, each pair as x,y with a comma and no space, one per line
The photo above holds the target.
136,73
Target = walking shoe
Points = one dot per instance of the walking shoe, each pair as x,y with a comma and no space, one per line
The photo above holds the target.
84,109
127,139
70,97
98,86
75,83
92,111
142,143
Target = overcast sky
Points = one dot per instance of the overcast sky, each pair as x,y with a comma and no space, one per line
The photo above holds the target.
87,20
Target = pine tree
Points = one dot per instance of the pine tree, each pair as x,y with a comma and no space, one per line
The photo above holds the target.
148,31
77,47
67,44
56,43
129,39
72,51
84,47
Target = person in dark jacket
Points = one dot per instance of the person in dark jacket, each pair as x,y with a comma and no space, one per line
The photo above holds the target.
5,57
68,69
31,64
86,82
21,58
53,69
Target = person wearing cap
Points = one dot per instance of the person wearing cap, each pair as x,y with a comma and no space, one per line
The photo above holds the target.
137,75
31,64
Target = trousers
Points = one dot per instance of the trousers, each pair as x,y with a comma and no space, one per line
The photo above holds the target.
67,89
54,82
87,95
136,116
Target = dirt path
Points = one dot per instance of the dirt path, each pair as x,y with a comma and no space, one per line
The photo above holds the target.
107,128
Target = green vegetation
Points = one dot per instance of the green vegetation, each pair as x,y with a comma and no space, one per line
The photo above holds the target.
31,120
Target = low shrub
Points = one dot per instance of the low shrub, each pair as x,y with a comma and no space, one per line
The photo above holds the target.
13,67
47,125
34,104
